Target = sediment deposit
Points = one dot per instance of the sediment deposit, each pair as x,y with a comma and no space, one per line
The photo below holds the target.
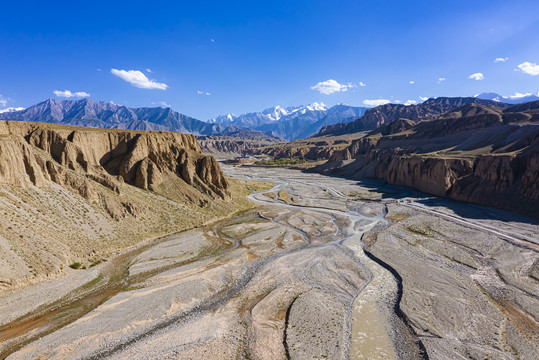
322,268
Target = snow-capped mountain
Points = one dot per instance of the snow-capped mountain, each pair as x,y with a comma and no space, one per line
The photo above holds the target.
266,116
293,122
518,98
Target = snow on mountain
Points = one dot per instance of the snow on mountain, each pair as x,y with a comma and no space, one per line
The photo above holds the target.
518,98
292,122
275,113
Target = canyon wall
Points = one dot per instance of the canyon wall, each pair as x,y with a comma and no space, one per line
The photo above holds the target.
34,153
478,159
79,195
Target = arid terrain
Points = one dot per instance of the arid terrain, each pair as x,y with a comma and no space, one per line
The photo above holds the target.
187,180
321,268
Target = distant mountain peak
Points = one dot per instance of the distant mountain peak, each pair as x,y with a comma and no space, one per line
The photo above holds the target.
293,122
275,113
517,98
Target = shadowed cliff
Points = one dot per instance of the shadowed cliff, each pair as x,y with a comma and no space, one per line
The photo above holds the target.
477,153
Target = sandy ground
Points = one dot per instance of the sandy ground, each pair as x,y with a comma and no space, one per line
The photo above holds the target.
291,279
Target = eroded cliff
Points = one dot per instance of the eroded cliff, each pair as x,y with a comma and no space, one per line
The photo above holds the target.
70,194
33,154
475,154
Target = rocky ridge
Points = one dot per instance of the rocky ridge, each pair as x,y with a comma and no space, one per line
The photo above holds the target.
477,154
72,156
430,109
233,146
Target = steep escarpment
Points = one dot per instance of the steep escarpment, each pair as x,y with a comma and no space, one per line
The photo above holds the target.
71,194
108,157
474,154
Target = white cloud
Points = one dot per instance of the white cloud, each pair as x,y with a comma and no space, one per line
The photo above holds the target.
9,109
440,80
98,69
410,102
148,70
423,98
477,76
200,92
397,101
138,79
69,94
362,84
497,60
376,102
412,82
4,101
529,68
162,103
212,40
330,86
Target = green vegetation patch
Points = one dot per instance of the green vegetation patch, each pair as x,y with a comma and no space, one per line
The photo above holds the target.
423,230
284,161
76,265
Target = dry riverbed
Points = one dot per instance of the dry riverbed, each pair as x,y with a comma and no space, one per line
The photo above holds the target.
323,268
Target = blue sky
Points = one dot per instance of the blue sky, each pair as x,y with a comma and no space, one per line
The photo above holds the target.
209,58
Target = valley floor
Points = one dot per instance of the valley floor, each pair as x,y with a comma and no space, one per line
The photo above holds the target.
322,268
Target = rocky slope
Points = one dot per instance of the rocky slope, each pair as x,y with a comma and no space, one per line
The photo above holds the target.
88,192
480,154
383,114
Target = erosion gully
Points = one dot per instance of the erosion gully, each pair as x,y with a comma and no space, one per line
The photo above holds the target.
370,322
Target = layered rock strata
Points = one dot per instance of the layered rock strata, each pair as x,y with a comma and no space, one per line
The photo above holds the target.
33,154
476,154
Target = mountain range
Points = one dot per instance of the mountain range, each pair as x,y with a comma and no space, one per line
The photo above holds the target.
99,114
272,124
384,114
293,122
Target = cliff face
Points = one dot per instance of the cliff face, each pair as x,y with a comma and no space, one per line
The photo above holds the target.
34,154
76,194
473,154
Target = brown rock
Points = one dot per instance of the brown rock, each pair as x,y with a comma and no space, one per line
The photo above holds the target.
32,153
